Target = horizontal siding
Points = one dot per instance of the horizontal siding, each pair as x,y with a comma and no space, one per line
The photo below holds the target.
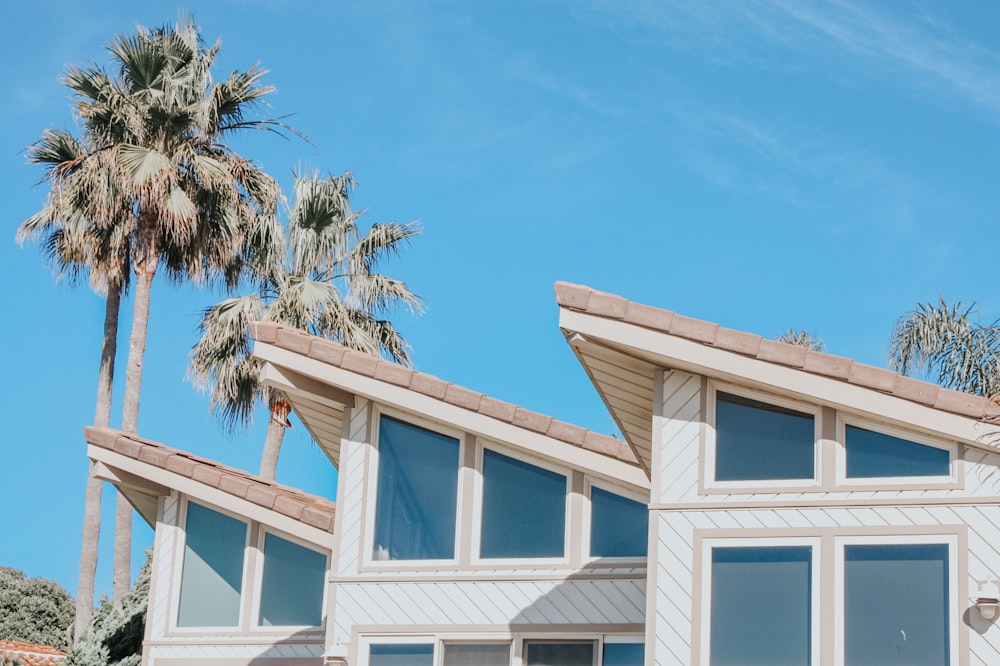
207,652
497,602
673,620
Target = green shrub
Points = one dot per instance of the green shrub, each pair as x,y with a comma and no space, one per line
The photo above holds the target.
34,610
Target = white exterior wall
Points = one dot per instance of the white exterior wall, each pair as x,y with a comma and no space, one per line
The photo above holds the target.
408,598
683,514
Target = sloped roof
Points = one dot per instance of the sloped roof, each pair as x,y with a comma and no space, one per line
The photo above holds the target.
32,655
309,509
336,355
610,306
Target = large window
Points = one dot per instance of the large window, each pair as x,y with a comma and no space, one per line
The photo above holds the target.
873,454
757,441
415,510
292,584
891,600
896,604
212,570
524,509
761,606
619,526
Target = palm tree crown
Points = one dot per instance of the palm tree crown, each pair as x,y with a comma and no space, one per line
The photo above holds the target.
946,344
324,282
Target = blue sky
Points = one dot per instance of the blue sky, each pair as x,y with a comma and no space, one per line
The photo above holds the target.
763,164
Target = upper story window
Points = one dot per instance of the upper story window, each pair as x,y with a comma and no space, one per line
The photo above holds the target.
756,441
619,526
523,509
417,494
212,569
292,584
872,454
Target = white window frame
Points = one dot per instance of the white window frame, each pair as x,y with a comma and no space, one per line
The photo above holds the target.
951,540
757,485
710,543
477,509
365,642
952,480
471,638
588,524
175,588
371,492
258,586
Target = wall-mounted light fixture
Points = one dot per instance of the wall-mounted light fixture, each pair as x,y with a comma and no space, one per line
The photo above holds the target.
987,600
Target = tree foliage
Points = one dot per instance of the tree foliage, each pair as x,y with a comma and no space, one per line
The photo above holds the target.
802,338
34,610
114,635
323,279
947,344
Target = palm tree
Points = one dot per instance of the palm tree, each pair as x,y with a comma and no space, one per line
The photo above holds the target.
157,127
77,247
947,343
325,282
802,338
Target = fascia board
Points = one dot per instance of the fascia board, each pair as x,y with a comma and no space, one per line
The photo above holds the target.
458,417
673,352
210,495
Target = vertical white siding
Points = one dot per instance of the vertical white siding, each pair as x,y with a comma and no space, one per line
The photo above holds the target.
165,547
350,510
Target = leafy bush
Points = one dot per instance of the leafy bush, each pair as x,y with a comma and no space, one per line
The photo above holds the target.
34,610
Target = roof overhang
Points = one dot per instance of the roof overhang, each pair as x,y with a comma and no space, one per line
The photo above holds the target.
308,380
143,483
595,336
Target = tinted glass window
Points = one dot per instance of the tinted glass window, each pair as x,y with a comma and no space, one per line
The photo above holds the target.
544,653
761,606
624,654
476,654
417,493
756,441
873,454
524,509
421,654
212,571
618,526
292,585
896,605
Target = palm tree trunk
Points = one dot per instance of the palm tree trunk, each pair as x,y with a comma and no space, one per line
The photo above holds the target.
92,499
275,435
145,269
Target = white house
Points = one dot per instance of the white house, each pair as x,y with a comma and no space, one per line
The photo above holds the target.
769,505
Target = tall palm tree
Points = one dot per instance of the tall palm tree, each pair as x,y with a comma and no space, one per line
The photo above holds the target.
200,210
77,247
947,343
325,282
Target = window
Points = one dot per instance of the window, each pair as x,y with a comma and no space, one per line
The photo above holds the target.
761,606
559,653
401,654
417,495
212,570
476,654
873,454
892,600
757,441
624,654
619,526
896,603
292,584
524,509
